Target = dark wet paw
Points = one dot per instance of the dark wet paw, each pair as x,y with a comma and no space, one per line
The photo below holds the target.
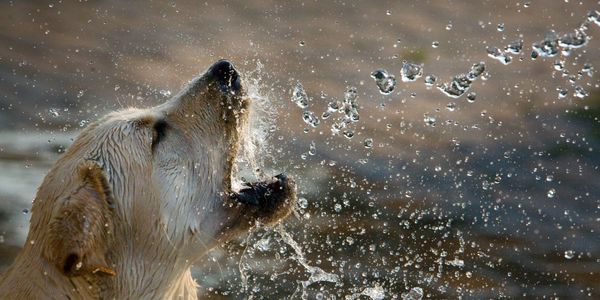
272,199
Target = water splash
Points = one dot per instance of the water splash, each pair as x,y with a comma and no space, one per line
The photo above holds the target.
375,293
349,109
461,83
548,47
255,147
573,40
299,96
316,274
415,293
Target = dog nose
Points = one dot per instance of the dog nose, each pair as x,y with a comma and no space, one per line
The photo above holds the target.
226,75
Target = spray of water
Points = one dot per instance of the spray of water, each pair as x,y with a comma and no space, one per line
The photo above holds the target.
316,274
255,148
250,163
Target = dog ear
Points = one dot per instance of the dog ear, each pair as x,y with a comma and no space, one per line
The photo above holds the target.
80,231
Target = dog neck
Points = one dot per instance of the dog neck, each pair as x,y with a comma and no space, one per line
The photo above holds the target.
34,277
150,278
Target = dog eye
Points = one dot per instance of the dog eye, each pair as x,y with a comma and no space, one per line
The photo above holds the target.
159,132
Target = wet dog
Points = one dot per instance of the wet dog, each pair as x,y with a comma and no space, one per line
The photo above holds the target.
141,195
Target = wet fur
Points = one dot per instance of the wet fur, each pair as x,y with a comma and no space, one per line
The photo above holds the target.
123,216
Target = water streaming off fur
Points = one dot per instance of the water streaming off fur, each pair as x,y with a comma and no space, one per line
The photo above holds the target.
251,166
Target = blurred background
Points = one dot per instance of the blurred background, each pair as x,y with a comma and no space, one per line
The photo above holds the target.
495,194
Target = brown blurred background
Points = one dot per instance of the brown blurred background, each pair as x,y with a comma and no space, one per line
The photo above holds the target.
500,199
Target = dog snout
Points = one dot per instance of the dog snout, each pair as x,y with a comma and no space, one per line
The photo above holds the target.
226,76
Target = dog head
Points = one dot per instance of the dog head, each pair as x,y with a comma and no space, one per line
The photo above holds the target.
155,184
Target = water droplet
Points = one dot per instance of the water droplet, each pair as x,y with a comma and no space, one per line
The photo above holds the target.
302,202
301,43
499,55
551,193
573,40
559,65
580,92
312,148
310,118
461,83
54,112
368,142
457,87
263,244
451,106
388,12
471,96
350,107
80,93
569,254
500,27
430,80
349,133
333,106
164,93
476,70
337,127
411,72
350,240
588,69
562,93
350,95
429,120
547,47
415,293
299,96
25,211
435,44
594,16
449,26
337,207
385,81
375,293
514,47
457,262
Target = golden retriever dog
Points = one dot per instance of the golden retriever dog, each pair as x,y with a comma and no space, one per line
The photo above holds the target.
141,195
